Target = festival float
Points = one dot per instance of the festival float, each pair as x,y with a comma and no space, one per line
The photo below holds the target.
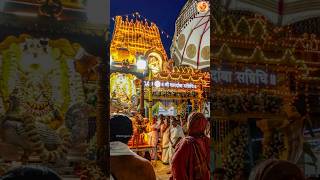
261,75
49,84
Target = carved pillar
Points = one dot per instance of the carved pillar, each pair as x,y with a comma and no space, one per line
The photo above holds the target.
150,99
142,111
103,116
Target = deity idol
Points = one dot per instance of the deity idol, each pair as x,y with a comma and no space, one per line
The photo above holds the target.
123,91
39,85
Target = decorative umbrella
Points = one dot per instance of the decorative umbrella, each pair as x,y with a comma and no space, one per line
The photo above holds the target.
191,43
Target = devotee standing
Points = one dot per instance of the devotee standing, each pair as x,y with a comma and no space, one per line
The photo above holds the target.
160,123
154,136
135,167
136,135
165,129
192,156
176,133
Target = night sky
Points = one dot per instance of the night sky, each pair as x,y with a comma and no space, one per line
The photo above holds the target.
162,12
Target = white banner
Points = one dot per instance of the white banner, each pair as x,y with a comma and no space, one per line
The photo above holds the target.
162,84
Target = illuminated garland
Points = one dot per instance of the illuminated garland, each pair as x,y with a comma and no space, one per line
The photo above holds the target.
244,103
250,31
236,152
188,94
287,57
275,146
180,77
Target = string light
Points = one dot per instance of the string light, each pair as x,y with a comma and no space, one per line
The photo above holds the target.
137,15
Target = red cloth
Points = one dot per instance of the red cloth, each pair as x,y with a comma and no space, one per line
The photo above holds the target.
192,157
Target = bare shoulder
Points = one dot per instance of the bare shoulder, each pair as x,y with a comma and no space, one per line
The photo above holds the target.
142,162
133,168
147,168
141,159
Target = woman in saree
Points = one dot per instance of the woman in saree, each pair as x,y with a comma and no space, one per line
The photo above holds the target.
192,156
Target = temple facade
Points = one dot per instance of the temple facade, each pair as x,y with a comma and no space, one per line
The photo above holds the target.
132,38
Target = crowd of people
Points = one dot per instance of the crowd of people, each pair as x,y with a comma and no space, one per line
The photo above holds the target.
163,131
185,146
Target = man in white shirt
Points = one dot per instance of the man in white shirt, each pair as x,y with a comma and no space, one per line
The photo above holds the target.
125,164
176,134
154,136
165,132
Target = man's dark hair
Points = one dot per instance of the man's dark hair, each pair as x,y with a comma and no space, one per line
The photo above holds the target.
31,172
120,128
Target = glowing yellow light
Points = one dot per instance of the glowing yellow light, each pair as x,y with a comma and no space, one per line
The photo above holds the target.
203,6
141,64
131,38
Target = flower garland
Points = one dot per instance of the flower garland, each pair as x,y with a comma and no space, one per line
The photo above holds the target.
237,152
275,146
65,83
9,68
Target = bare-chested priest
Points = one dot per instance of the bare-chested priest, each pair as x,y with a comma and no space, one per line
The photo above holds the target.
125,164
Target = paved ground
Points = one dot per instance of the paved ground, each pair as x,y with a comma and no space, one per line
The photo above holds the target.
161,170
